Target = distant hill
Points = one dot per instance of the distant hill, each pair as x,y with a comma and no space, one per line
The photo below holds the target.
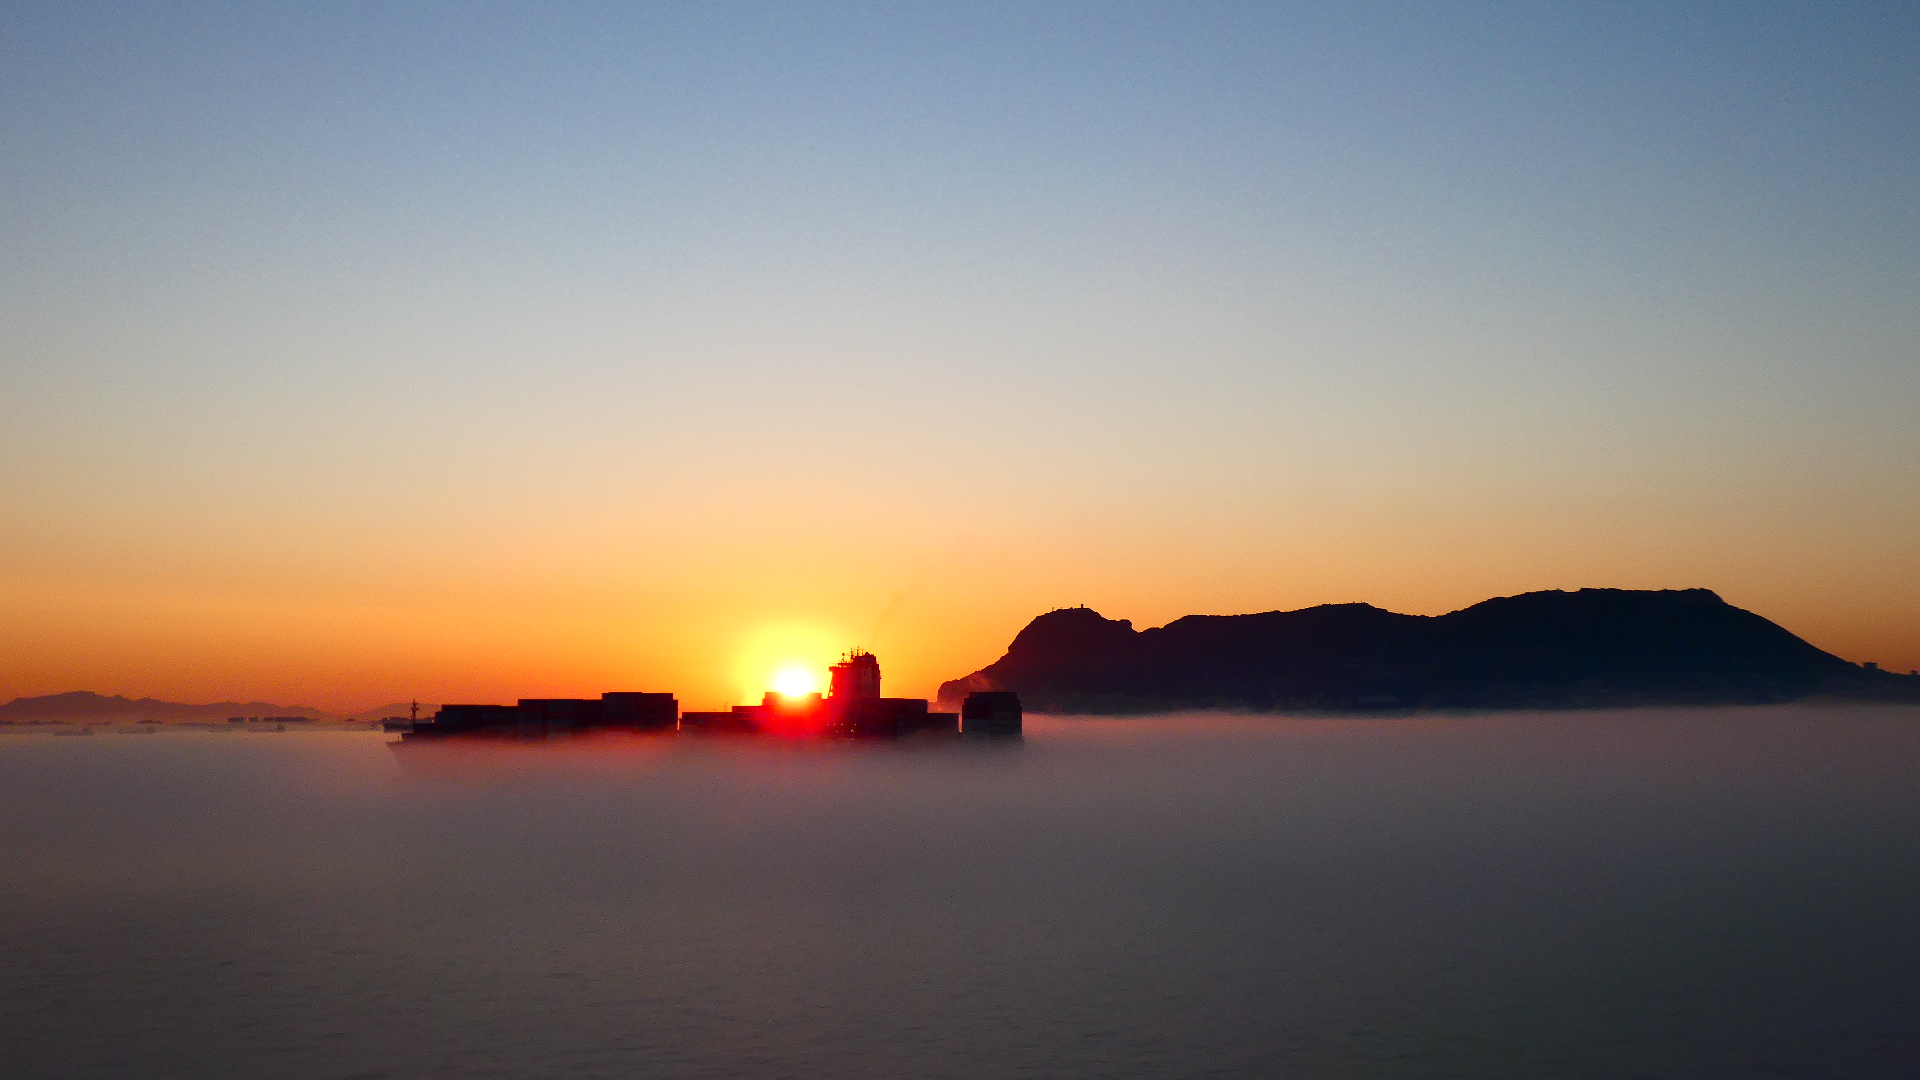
1594,647
85,705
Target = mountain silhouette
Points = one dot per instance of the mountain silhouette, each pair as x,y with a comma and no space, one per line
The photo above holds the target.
86,705
1594,647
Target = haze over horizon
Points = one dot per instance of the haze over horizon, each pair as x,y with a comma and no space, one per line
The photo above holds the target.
466,353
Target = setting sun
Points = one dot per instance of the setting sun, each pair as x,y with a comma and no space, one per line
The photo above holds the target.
794,681
789,657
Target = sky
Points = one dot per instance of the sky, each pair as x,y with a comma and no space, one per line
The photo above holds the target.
352,353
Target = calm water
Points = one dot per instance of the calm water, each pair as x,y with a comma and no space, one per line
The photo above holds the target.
1664,894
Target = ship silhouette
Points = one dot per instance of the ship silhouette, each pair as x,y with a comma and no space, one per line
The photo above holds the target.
852,708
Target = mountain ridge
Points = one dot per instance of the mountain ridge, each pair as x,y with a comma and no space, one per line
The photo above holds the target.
1552,649
87,705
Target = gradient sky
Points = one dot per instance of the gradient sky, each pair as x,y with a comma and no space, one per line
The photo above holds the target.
355,352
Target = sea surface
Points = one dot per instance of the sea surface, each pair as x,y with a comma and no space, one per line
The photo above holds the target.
1687,893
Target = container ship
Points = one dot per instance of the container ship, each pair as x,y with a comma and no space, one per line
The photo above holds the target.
852,708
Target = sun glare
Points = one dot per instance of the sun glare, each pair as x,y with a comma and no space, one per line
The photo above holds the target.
787,658
794,681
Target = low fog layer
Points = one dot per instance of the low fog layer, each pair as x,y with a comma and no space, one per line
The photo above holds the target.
1702,893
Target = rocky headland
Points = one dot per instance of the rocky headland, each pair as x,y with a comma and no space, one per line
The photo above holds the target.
1541,650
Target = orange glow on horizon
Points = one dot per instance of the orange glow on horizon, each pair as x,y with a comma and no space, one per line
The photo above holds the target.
717,625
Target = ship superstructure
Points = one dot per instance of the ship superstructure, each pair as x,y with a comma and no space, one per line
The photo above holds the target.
851,709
